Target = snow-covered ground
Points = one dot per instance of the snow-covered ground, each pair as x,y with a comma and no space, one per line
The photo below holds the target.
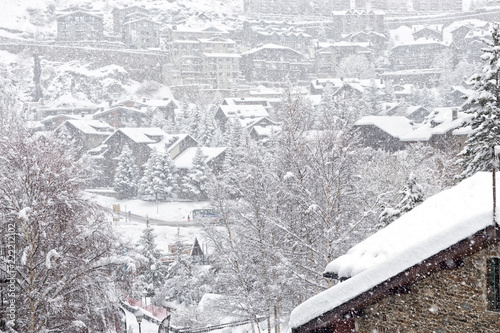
167,211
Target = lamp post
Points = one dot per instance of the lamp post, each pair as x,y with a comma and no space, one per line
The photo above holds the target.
138,316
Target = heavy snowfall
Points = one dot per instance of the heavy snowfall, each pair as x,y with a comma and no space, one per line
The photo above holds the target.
249,166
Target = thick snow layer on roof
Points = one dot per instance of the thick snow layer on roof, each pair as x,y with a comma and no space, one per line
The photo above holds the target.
244,111
90,126
185,159
141,134
440,222
394,125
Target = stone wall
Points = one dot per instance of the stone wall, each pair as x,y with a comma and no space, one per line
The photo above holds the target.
452,300
140,65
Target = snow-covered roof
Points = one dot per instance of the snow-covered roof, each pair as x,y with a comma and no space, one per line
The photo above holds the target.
395,126
244,111
185,159
142,134
91,126
267,131
121,108
98,16
169,142
440,222
270,46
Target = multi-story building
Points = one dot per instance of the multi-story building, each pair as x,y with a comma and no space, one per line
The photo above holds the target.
290,37
79,26
141,33
352,21
221,70
274,63
126,14
212,61
415,55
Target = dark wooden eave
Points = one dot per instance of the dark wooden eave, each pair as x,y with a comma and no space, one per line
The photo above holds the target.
447,258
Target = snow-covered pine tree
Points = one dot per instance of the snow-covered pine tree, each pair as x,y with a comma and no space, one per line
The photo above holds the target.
372,99
153,272
194,182
485,110
153,181
160,177
126,175
413,195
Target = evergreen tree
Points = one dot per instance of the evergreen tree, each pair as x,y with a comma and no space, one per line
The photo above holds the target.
372,99
413,195
153,272
126,175
195,181
485,110
160,177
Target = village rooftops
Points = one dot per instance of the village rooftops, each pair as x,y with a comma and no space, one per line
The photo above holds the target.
442,221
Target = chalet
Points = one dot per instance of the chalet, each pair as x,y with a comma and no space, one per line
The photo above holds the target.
435,269
384,132
241,112
427,32
79,26
415,113
50,123
165,106
85,134
121,116
274,63
141,142
214,158
263,134
248,101
442,129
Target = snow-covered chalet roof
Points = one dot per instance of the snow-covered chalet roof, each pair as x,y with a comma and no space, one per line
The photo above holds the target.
142,134
91,126
440,222
395,126
244,111
185,159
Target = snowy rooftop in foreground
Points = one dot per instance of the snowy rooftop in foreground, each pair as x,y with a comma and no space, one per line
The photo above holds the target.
440,222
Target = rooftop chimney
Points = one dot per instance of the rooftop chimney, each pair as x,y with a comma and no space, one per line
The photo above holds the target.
454,114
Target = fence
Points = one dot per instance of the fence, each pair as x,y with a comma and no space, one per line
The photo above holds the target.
159,313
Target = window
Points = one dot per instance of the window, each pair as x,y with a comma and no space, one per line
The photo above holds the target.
493,279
